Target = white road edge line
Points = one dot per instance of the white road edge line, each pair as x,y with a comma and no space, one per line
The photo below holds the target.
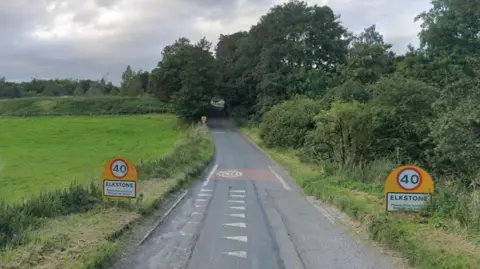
285,185
163,217
322,210
210,175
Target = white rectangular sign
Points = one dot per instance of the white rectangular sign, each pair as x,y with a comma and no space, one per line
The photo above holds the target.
119,188
406,201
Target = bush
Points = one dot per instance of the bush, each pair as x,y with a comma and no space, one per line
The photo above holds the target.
343,134
82,106
286,124
350,91
403,111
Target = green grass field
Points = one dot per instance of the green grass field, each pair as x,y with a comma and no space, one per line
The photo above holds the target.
45,153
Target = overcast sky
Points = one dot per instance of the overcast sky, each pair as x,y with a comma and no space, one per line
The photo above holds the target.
92,38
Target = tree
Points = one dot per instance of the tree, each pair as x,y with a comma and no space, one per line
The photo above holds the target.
197,82
165,79
369,57
130,85
450,36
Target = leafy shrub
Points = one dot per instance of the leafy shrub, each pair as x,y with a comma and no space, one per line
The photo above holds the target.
343,134
350,91
82,106
286,124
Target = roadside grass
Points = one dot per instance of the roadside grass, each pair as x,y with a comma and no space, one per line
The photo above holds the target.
358,193
76,105
88,240
48,153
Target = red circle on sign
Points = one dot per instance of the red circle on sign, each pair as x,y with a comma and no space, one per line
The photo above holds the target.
419,179
111,167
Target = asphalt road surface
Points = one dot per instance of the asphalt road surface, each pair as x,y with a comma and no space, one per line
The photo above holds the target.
247,214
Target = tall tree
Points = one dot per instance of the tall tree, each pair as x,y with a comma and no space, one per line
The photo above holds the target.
369,57
130,85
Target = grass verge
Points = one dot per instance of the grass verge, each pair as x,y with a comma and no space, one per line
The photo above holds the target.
88,240
421,242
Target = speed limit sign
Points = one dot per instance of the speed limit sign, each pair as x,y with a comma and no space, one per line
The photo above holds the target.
119,168
120,179
408,188
409,179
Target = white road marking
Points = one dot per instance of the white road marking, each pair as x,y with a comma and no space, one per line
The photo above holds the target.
197,213
217,132
237,224
193,222
185,234
238,238
204,194
237,196
240,254
285,185
238,207
327,215
200,200
237,201
197,205
238,191
236,215
210,175
205,190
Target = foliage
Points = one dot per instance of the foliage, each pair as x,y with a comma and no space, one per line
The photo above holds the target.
104,105
286,124
186,77
343,134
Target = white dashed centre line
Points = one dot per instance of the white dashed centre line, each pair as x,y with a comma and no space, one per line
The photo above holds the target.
240,254
237,224
237,238
237,196
236,215
238,191
205,190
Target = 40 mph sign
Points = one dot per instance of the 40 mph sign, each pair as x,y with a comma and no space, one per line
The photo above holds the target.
119,179
408,188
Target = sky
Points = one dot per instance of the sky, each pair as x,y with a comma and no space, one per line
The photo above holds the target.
91,39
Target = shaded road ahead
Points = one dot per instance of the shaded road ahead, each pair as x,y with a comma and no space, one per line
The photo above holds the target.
247,214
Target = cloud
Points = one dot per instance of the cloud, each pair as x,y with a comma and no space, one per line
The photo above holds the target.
90,38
